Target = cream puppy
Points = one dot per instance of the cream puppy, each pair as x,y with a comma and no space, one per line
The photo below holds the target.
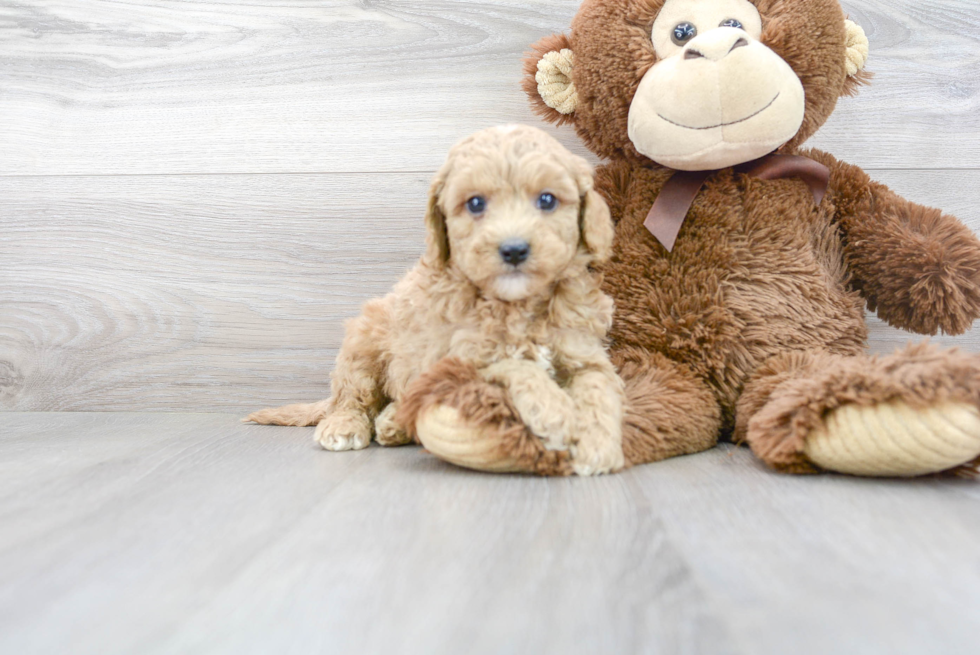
505,289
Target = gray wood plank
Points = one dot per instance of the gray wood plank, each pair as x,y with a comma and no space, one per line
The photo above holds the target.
129,533
200,293
102,87
191,293
826,564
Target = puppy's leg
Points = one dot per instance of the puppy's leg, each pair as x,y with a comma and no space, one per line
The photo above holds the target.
546,409
597,445
356,382
387,430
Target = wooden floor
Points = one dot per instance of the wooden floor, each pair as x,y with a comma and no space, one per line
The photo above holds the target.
194,195
192,533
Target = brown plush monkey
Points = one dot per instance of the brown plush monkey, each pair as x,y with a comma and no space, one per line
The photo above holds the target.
741,278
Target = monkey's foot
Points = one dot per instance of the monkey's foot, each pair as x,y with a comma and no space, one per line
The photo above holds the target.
895,440
914,412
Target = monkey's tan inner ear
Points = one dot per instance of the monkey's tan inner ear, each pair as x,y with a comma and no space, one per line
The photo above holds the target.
857,48
554,78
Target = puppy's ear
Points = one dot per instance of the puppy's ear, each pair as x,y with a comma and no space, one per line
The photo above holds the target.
548,79
437,236
596,226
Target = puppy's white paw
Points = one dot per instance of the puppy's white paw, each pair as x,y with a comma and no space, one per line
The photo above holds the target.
595,457
344,431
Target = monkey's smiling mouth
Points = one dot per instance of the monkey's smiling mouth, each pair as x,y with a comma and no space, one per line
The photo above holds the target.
711,127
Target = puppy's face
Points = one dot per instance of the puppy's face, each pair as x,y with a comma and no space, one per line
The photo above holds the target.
512,202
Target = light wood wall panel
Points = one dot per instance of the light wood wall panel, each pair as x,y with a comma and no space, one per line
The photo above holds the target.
210,292
171,86
195,195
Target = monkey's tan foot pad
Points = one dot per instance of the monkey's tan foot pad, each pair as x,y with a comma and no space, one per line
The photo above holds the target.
482,447
893,439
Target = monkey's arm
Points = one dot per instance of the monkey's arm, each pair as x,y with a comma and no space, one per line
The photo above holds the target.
917,267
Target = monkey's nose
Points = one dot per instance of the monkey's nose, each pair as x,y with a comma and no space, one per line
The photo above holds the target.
515,251
716,44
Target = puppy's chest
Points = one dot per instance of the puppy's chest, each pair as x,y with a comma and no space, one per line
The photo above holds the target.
518,339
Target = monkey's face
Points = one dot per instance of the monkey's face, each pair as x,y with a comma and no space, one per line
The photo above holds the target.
717,96
697,84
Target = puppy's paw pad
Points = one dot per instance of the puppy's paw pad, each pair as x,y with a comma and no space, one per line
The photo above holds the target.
344,432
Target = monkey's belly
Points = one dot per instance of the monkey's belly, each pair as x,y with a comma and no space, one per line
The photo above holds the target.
723,322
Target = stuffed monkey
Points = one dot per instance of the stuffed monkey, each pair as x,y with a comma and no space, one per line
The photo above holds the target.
743,264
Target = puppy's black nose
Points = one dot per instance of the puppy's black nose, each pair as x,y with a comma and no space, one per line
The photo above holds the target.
515,252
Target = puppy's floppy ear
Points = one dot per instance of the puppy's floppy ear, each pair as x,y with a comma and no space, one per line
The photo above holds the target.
548,79
596,226
436,236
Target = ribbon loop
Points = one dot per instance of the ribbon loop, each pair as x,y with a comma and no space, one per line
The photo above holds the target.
672,205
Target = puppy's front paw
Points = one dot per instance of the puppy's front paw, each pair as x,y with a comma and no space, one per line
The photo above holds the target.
597,456
544,407
344,431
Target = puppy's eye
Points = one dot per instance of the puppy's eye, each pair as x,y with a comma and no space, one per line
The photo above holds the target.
731,22
476,205
547,202
683,33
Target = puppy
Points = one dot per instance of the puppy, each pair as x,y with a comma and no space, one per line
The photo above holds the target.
505,287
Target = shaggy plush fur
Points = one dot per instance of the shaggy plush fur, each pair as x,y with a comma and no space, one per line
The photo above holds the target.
756,317
525,341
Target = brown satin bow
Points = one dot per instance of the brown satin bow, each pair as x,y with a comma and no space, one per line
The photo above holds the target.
674,202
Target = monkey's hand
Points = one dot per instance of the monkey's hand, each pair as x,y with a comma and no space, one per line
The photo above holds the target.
917,267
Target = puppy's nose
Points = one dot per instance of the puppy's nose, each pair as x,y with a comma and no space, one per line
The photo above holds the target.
515,252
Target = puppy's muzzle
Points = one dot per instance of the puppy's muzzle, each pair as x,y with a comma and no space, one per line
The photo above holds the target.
515,251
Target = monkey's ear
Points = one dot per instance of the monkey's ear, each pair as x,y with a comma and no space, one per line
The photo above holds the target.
858,49
548,79
596,226
436,236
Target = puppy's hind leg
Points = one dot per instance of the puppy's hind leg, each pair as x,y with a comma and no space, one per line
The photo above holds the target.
357,382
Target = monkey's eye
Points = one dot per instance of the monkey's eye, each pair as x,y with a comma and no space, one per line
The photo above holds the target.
731,22
476,205
547,202
683,33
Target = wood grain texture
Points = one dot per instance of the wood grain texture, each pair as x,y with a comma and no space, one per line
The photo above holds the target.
171,86
130,533
191,293
205,293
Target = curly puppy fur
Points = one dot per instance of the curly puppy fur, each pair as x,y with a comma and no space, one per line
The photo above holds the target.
534,331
